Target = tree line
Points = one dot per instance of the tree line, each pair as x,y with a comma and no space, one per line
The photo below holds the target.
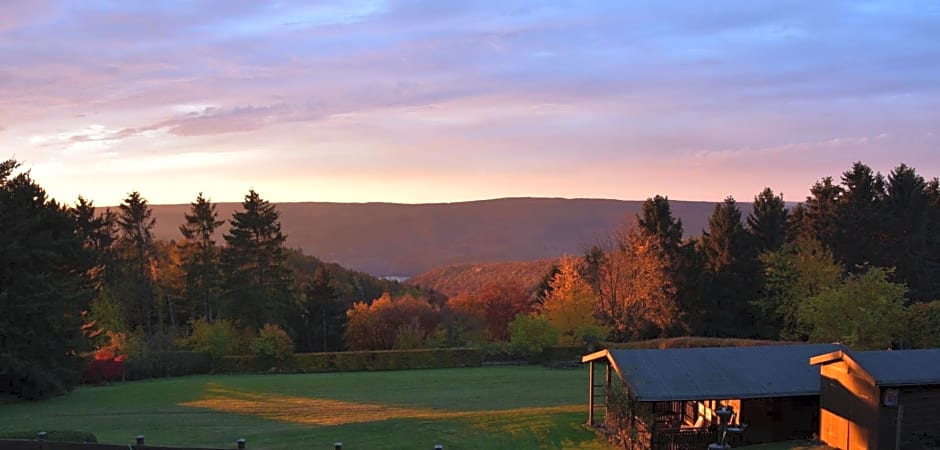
857,262
75,278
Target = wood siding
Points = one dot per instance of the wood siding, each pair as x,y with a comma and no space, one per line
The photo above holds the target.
849,402
920,425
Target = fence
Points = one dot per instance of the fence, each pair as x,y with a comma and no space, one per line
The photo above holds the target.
41,444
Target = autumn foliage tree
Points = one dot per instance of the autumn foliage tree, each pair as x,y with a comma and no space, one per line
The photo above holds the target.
636,295
388,323
569,306
495,304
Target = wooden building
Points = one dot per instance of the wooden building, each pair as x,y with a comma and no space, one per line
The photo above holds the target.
880,399
674,393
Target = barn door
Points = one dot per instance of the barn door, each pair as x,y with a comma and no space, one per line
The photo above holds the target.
835,430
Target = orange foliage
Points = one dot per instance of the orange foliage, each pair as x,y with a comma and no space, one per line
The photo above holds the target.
637,295
496,304
376,326
570,305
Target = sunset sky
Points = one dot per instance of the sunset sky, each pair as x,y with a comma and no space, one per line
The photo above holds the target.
409,101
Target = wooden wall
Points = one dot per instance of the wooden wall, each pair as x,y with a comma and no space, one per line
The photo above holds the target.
920,422
849,402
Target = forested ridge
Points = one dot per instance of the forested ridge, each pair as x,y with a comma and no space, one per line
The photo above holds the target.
857,262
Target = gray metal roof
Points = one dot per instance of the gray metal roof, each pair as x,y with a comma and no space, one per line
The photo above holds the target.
721,373
901,367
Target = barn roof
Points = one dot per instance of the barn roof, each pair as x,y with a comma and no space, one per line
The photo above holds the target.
718,373
897,367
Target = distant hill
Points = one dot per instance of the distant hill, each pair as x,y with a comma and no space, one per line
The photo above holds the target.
388,239
452,280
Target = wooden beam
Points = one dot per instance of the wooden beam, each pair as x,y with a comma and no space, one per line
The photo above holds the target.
590,421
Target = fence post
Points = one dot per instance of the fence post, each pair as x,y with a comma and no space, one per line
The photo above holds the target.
338,446
140,440
241,443
41,436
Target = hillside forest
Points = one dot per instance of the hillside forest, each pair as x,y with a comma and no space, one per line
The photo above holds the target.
856,262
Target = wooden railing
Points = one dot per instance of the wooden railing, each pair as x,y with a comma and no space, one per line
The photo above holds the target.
692,439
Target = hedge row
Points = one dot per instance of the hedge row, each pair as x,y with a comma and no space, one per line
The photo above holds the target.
353,361
167,364
500,352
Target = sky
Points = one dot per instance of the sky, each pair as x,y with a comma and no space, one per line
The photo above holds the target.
442,101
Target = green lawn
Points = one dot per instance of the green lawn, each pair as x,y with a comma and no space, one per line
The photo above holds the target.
475,408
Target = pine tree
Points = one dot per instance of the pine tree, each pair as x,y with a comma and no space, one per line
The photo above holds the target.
137,249
861,235
201,256
819,214
44,287
906,205
322,312
932,250
99,233
731,273
657,220
768,221
257,281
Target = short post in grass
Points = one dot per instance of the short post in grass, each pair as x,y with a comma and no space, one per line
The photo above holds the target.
241,443
140,440
41,436
338,446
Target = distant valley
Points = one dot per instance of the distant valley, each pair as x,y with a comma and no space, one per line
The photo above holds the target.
389,239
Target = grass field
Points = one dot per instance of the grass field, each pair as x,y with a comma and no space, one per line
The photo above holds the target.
474,408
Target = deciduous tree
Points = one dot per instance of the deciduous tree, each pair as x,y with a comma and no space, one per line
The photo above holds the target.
570,306
866,312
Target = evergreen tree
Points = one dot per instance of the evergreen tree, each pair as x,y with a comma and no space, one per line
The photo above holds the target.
860,238
322,312
931,286
257,282
544,288
906,205
200,254
731,273
657,220
137,249
819,214
44,287
768,221
99,233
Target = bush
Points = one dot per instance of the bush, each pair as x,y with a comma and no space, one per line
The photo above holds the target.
272,343
215,338
354,361
52,435
530,334
26,380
